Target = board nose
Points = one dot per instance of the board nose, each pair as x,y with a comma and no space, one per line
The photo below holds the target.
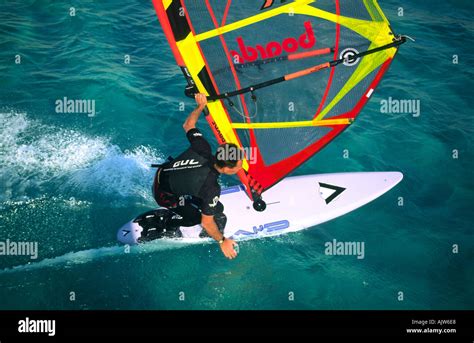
393,177
129,233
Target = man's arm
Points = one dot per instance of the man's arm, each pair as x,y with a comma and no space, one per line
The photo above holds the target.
192,119
211,227
227,246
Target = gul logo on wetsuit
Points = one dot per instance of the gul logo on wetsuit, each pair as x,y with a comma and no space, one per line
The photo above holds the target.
184,163
307,40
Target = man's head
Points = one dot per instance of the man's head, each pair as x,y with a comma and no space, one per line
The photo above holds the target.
229,159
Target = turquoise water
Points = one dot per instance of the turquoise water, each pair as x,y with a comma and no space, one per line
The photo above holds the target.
70,180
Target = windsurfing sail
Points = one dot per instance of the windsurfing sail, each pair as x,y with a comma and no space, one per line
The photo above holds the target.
283,78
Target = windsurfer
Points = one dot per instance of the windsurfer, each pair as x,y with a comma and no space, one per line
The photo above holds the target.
188,185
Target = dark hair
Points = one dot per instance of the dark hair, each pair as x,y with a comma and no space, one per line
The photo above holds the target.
227,155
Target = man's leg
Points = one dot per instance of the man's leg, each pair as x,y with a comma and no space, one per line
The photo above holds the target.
188,210
186,207
191,213
164,221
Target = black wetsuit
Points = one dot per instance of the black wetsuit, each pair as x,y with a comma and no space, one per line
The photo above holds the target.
188,185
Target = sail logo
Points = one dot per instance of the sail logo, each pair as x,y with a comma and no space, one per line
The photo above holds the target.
219,133
306,40
268,228
184,163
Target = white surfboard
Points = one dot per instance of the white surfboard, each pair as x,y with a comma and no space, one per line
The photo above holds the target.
294,204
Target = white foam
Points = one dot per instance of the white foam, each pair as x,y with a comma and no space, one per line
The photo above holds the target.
30,146
71,203
117,174
87,256
34,155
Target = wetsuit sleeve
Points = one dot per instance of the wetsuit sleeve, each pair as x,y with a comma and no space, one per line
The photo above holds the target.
210,193
198,143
